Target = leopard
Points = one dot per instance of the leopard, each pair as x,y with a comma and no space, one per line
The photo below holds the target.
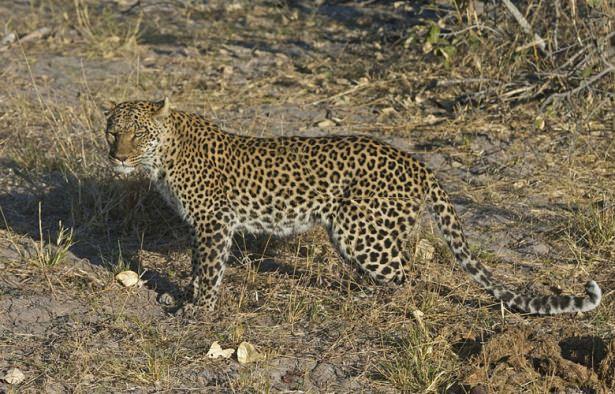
367,193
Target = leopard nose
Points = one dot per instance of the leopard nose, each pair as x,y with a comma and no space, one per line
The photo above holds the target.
120,156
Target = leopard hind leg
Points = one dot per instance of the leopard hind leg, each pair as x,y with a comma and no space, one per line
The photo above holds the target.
373,234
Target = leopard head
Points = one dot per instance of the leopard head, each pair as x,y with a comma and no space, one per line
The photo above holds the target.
133,132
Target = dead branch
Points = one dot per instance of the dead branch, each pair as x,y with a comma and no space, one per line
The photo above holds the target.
586,83
464,81
539,41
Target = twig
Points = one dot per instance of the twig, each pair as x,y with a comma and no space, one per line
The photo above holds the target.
36,34
476,26
590,59
528,45
556,29
582,86
526,26
139,4
572,58
344,93
43,32
451,82
517,91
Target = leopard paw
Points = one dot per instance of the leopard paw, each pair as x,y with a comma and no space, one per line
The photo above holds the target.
166,299
188,311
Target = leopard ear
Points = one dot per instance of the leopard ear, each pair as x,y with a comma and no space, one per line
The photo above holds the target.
109,107
164,107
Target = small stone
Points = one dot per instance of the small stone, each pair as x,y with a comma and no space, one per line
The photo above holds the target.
324,374
8,39
14,376
540,249
216,351
127,278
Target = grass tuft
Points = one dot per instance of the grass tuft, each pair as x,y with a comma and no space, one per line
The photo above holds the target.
106,32
52,253
420,363
593,229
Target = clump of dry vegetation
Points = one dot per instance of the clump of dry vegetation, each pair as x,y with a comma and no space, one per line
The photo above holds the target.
551,52
517,121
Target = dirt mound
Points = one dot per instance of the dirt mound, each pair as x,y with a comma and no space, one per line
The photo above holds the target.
510,359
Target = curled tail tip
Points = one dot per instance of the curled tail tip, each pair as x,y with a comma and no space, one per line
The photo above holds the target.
554,305
594,293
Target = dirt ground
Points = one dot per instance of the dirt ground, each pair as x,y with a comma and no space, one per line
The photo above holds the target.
534,188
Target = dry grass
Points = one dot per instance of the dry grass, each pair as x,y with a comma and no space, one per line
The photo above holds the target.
534,188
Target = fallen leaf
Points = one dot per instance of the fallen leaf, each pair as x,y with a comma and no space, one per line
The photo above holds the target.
325,123
246,353
427,47
216,351
539,122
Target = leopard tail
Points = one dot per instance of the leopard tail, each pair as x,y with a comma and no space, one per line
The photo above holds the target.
450,227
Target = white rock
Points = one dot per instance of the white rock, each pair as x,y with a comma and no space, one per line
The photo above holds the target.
8,39
14,376
128,278
216,351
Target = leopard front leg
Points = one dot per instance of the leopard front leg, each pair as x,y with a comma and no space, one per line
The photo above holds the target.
210,250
